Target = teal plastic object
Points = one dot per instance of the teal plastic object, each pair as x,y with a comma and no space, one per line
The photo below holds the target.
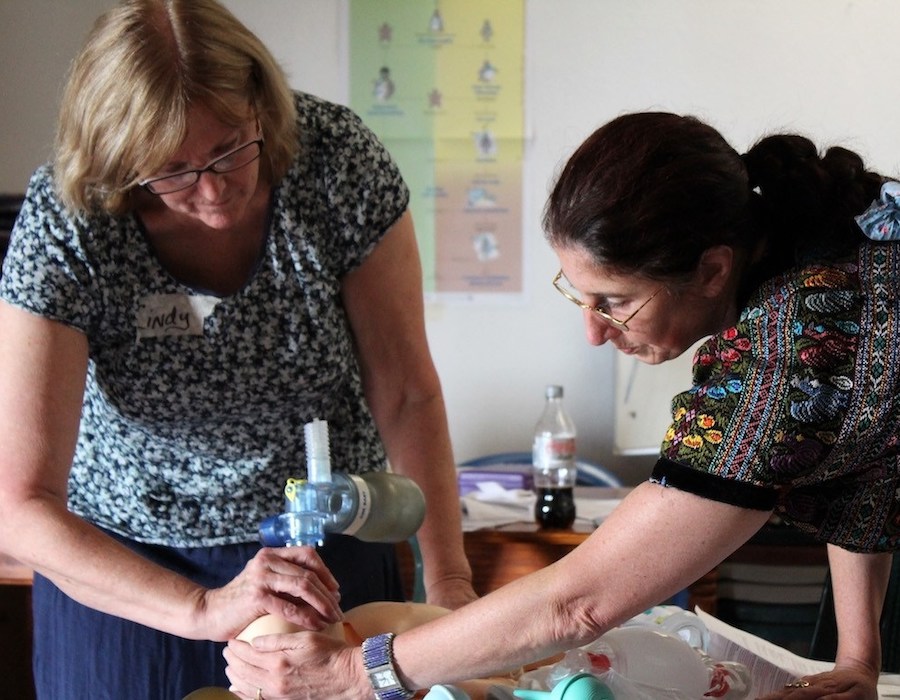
581,686
446,692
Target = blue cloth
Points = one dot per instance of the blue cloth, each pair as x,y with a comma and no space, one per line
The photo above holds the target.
881,221
80,653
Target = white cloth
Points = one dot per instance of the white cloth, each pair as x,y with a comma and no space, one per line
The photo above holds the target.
492,505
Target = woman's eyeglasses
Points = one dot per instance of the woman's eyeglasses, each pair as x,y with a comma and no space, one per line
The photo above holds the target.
596,309
233,160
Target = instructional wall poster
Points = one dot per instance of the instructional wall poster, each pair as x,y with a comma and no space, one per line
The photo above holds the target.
441,83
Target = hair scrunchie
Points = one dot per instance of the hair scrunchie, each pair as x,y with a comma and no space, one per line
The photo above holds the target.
881,221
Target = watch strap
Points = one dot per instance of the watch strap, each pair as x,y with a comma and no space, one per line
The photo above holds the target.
378,658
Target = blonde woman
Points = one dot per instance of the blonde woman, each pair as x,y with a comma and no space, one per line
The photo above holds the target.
211,261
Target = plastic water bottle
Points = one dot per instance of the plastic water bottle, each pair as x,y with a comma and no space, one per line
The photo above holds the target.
553,462
374,507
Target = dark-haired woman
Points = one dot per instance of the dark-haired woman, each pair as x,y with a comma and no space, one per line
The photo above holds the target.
666,235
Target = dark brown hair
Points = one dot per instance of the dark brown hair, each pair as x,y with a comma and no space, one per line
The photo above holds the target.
649,192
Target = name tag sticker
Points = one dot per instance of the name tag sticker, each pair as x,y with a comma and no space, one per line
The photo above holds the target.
173,314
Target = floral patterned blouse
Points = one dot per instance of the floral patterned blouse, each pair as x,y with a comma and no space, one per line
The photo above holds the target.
195,404
797,407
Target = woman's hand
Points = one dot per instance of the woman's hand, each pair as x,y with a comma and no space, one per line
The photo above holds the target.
840,684
298,665
291,582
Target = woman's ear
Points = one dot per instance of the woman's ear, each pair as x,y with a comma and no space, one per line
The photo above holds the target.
715,270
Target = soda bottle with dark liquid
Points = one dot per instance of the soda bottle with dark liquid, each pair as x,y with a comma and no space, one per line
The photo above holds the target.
554,466
555,508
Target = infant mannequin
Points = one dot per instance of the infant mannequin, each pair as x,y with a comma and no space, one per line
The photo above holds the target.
359,623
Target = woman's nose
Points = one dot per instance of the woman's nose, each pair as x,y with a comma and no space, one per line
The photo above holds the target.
211,184
597,329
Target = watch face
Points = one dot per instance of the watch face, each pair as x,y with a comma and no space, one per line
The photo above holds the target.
377,660
383,679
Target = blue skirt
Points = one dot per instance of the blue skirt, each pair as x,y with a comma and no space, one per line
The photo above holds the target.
80,653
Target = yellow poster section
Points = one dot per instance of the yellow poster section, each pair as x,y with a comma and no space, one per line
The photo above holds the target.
478,149
441,83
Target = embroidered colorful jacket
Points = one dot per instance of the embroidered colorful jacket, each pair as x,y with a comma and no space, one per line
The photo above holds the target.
797,407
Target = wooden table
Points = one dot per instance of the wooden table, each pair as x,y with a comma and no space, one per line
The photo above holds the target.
12,573
504,553
16,630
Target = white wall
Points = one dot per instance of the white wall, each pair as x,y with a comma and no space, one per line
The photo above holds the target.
821,67
38,38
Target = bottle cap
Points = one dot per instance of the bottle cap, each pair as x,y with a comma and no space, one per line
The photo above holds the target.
554,391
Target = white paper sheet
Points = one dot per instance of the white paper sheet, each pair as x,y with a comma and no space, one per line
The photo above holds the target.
772,666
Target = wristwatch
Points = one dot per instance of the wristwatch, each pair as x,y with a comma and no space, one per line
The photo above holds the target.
378,658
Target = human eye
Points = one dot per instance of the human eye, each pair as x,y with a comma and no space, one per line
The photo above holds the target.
596,301
184,177
165,184
228,160
172,169
234,159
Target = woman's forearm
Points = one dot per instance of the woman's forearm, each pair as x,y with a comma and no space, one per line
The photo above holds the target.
859,583
655,543
419,448
97,571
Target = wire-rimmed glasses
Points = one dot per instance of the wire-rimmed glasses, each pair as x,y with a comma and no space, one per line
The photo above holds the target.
233,160
623,325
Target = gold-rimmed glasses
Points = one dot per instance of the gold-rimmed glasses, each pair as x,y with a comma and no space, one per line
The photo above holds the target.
596,309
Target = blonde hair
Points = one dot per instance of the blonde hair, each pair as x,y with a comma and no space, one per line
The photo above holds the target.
124,110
